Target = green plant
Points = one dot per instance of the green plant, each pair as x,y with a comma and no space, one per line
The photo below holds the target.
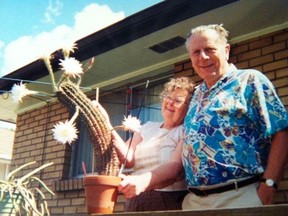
24,193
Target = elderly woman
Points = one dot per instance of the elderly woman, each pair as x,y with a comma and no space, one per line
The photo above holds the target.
157,182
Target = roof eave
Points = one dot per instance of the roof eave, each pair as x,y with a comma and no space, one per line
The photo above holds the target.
152,19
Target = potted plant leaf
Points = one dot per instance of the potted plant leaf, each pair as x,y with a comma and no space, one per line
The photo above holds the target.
20,195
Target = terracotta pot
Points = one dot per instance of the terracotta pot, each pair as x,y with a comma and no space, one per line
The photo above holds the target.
101,193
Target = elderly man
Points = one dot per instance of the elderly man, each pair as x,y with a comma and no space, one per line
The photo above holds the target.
235,147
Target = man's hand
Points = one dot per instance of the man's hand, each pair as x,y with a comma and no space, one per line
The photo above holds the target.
266,194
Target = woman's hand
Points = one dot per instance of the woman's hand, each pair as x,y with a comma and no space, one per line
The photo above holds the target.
132,186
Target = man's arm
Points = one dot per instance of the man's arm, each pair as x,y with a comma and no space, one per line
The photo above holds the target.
277,162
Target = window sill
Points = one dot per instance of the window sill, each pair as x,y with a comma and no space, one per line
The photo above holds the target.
68,185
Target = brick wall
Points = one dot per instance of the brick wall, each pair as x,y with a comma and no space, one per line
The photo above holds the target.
34,141
269,54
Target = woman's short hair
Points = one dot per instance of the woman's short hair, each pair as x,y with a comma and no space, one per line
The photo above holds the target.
185,83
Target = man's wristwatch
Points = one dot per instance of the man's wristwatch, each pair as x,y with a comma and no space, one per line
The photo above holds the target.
269,182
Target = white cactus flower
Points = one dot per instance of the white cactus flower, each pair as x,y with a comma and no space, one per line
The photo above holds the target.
65,132
71,67
131,123
19,91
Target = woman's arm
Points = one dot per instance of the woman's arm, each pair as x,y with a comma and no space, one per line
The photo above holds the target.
122,147
163,176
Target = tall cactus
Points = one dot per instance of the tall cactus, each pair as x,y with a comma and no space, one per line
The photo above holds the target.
106,158
71,96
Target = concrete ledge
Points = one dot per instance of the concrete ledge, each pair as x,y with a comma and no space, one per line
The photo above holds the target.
272,210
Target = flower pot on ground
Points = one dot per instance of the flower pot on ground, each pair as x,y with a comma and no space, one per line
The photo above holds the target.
101,193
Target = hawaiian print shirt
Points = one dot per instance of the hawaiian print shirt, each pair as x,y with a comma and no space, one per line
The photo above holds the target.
228,128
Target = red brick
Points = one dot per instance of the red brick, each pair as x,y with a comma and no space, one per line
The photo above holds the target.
282,72
186,73
239,49
280,82
249,55
281,54
178,67
187,65
261,60
275,65
260,43
281,37
270,75
273,48
282,91
242,65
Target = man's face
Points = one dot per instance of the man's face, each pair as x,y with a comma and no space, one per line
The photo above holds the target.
209,56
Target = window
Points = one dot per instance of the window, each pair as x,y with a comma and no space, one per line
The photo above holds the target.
151,106
118,104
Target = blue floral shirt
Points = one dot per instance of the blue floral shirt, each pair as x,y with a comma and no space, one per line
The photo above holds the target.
228,128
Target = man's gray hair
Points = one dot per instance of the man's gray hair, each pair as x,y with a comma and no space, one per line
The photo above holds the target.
222,32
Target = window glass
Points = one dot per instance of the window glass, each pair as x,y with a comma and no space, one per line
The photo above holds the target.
150,101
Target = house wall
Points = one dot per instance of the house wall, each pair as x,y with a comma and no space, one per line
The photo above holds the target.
34,140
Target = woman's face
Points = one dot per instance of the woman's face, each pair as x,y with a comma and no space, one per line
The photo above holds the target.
174,107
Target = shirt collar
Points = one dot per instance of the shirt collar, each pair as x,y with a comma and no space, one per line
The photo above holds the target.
223,79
